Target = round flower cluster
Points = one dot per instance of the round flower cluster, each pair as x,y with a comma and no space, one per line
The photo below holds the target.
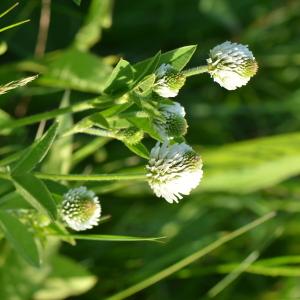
174,124
80,209
231,65
174,169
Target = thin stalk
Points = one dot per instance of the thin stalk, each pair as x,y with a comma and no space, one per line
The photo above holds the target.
93,177
46,115
13,25
8,10
195,71
190,259
83,177
98,132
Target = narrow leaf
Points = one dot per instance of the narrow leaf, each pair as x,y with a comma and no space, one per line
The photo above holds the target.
20,238
36,152
139,149
112,238
120,79
177,58
36,193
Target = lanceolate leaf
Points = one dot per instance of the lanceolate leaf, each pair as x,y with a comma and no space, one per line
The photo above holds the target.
120,79
147,67
35,153
139,149
177,58
19,237
112,238
36,193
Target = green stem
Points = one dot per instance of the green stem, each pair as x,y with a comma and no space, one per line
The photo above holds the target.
45,116
13,25
83,177
98,132
93,177
190,259
195,71
8,10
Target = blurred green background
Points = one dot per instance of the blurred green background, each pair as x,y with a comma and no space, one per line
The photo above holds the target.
248,140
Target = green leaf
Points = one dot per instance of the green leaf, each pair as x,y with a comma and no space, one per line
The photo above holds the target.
146,125
139,149
18,279
65,270
73,69
145,86
177,58
251,165
98,17
95,119
78,2
20,238
120,79
190,259
60,154
112,238
147,67
36,193
35,153
13,201
115,110
98,119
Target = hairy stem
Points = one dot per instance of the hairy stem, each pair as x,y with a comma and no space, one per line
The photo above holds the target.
195,71
83,177
46,115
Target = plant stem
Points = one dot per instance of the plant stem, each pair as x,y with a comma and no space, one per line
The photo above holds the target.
93,177
46,115
195,71
83,177
13,25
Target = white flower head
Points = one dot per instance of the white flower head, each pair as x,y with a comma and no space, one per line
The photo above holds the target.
231,65
173,170
175,124
169,81
80,209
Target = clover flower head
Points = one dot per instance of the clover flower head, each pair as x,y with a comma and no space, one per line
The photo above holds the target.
169,81
175,124
173,170
231,65
80,209
131,135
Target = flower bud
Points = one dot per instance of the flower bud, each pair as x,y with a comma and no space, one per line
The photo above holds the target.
80,209
231,65
175,124
169,81
173,170
131,135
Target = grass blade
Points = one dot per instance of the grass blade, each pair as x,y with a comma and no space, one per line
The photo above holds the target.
190,259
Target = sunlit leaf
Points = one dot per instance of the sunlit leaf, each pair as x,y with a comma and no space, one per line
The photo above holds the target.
19,237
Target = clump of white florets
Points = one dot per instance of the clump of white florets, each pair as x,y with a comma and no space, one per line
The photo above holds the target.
173,170
80,209
174,124
231,65
169,81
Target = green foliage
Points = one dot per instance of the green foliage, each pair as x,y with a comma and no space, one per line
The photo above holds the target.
35,153
20,238
36,193
96,83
